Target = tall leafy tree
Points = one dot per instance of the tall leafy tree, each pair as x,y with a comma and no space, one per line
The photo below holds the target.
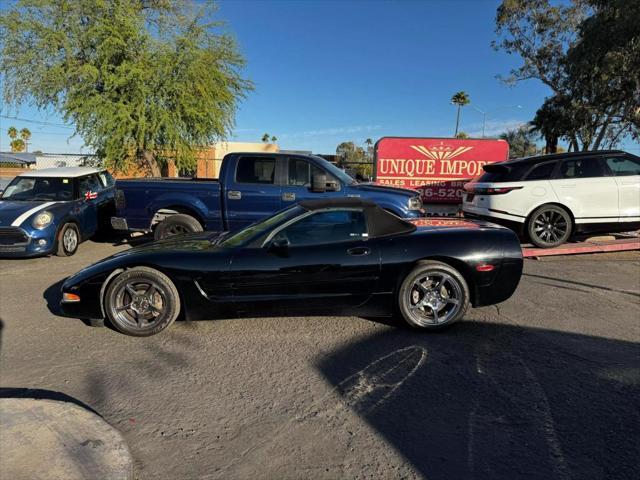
521,142
586,52
25,135
139,79
460,99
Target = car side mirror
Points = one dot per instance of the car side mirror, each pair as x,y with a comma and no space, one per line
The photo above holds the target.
319,183
279,245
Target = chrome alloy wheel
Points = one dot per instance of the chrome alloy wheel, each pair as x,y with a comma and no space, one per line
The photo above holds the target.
140,305
70,240
434,298
550,226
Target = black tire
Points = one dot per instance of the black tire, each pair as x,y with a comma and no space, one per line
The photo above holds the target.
141,302
68,240
549,226
425,306
178,224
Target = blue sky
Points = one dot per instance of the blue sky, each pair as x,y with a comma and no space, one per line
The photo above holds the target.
332,71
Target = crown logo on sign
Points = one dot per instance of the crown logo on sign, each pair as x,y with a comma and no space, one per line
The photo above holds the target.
441,151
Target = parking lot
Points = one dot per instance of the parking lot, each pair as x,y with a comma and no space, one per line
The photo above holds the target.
545,385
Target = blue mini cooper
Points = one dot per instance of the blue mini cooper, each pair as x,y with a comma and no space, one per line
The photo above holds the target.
53,210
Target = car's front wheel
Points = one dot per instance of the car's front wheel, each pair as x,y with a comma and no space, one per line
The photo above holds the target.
549,226
141,302
434,295
68,240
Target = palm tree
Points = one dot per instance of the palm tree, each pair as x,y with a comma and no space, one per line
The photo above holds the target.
25,134
17,145
274,139
12,132
460,99
265,137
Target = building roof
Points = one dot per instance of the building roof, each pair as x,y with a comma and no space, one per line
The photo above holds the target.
23,158
61,172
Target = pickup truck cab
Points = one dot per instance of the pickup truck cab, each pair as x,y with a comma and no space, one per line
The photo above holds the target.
251,186
53,210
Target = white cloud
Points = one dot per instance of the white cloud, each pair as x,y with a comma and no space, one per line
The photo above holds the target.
332,131
492,127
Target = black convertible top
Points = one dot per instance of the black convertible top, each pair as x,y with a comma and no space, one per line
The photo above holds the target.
380,223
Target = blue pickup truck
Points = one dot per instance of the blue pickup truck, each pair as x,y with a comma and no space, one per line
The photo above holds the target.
251,186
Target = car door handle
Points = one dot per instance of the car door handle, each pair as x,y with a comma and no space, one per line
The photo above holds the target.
288,196
359,251
234,195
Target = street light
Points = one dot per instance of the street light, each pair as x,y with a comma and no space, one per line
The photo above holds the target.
484,114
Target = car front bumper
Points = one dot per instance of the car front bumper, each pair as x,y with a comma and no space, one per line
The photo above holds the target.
16,242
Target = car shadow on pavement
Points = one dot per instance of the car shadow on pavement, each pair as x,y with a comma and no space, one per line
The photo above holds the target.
484,400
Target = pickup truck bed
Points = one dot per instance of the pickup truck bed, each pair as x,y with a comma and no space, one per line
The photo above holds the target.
146,197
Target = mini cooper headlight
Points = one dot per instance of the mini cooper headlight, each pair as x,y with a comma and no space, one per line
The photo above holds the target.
43,220
415,203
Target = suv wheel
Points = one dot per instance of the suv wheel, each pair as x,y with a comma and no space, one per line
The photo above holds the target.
549,226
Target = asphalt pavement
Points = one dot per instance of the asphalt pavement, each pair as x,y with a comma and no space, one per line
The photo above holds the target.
545,385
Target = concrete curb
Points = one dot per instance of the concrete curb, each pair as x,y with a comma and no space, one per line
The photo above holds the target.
48,439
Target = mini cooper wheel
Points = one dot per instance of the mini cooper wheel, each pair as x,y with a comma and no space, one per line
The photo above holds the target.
434,295
68,240
141,302
549,226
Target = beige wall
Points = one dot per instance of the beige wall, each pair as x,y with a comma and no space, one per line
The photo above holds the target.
209,161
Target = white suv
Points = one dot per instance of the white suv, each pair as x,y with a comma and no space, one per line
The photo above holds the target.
551,197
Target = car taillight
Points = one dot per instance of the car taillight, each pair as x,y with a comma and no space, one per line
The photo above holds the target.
491,190
120,203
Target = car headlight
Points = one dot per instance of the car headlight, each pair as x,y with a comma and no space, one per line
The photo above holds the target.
415,203
42,220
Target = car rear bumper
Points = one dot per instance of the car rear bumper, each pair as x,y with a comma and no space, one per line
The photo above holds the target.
513,222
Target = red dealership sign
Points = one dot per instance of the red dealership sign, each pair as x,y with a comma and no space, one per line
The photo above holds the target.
438,167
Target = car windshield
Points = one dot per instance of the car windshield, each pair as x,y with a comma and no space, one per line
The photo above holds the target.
254,230
39,189
337,172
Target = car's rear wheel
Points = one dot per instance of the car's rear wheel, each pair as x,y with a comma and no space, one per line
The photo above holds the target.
68,240
178,224
142,302
434,295
549,226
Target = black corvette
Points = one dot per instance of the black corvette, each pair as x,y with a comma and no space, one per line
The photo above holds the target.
341,256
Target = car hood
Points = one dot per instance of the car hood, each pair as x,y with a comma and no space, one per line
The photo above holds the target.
371,187
10,210
182,243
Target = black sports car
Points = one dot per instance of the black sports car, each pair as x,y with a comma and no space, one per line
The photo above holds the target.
340,256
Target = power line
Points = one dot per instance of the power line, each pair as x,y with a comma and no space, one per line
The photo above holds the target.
39,122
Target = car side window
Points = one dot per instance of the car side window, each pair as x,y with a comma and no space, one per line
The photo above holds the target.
623,166
581,168
256,170
106,179
301,172
89,186
541,172
326,227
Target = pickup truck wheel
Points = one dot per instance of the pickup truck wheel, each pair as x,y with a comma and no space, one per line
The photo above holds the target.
178,224
141,302
68,240
433,296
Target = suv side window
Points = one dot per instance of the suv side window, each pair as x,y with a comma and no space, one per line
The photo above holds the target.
581,168
623,166
541,172
326,227
256,170
301,172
